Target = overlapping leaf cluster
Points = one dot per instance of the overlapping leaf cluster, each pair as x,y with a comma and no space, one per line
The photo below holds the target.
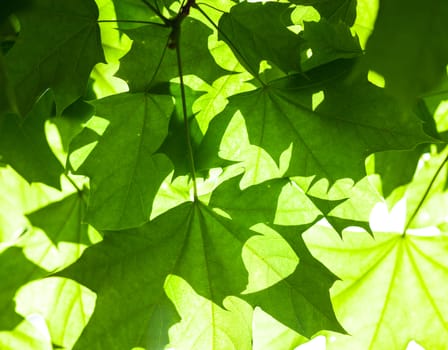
181,153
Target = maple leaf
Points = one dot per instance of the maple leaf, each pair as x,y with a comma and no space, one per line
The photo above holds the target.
6,100
151,62
13,259
62,61
138,10
328,42
23,144
217,143
257,32
404,262
334,11
62,221
64,320
193,242
186,241
283,114
302,289
389,273
124,168
411,59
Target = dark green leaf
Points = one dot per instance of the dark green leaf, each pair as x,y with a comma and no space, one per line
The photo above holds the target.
333,10
256,32
71,122
408,46
124,169
305,301
328,42
128,270
58,45
135,10
176,143
251,206
63,221
329,140
396,168
9,7
307,287
24,146
6,96
151,61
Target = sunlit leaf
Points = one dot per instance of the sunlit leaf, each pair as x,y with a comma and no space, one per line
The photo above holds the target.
15,271
282,114
124,169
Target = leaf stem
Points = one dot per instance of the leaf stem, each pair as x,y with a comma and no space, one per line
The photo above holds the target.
425,195
129,21
211,6
155,10
185,117
75,185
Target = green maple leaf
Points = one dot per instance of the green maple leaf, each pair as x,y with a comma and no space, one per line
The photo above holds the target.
6,98
24,146
138,10
305,305
334,11
58,52
328,42
65,318
176,141
124,168
396,168
407,48
283,114
268,96
151,61
190,241
306,288
399,278
216,327
63,221
133,10
15,271
205,249
399,272
257,32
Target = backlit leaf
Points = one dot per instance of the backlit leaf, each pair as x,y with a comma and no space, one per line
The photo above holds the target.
15,271
124,168
257,32
284,114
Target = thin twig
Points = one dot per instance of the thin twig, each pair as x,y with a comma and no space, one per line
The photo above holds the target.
186,125
129,21
425,195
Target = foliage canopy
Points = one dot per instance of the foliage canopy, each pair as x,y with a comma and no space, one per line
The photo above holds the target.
223,174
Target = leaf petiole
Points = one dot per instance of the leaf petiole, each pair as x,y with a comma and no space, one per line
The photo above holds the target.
185,116
129,21
425,195
75,185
